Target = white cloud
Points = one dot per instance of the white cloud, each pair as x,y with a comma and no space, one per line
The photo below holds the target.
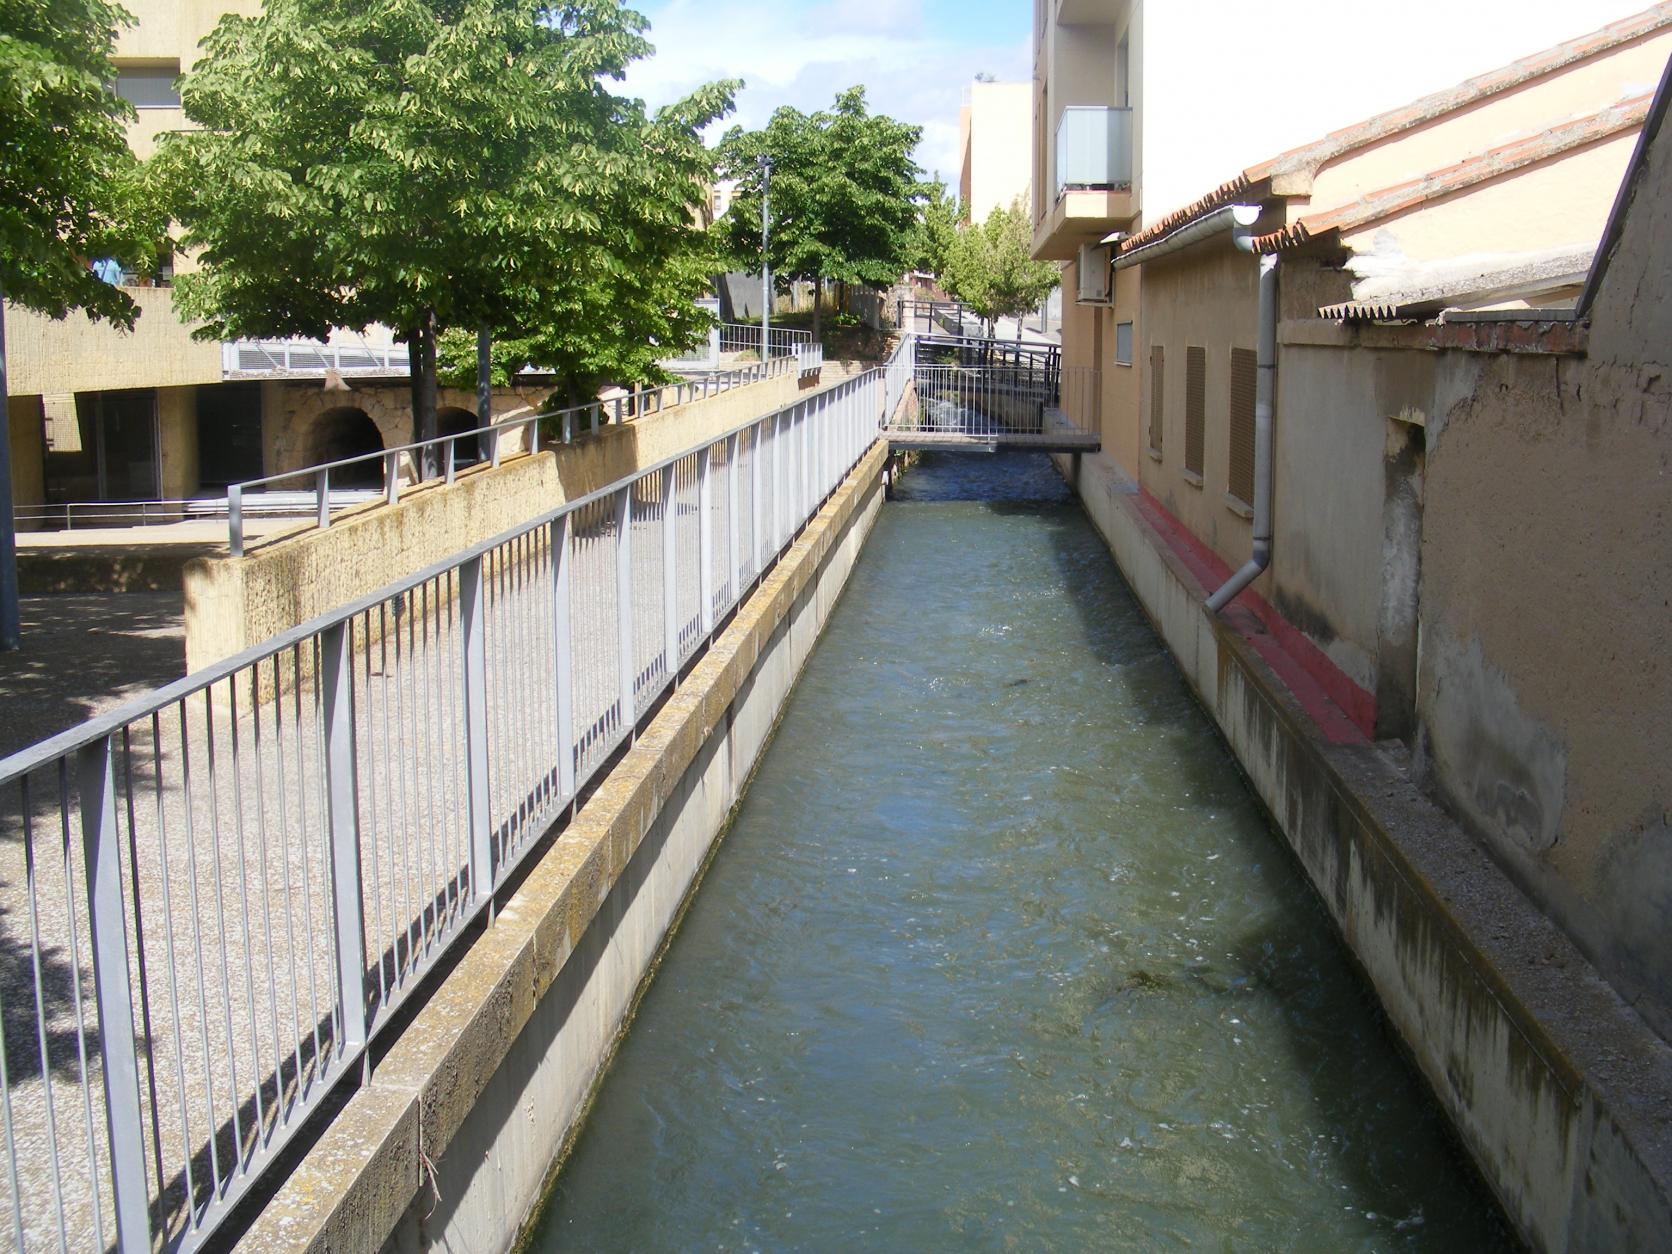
803,55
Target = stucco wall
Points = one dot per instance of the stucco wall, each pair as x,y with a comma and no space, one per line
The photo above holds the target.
177,438
1206,297
1547,611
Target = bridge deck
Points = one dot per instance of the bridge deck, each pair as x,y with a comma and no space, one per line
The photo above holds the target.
1066,441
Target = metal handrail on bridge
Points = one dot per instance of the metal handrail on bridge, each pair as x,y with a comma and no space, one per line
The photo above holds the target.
437,459
217,897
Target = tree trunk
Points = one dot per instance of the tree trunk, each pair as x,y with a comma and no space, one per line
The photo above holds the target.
818,307
424,392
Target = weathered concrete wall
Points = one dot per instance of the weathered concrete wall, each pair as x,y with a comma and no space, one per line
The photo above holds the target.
232,603
75,354
1556,1087
1206,297
487,1083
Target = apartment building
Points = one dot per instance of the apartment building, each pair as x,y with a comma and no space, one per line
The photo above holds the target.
995,139
1141,109
1462,436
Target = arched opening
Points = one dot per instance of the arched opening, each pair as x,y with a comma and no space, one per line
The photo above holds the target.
347,432
455,421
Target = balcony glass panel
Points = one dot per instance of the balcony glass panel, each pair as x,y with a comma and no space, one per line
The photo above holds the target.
1094,148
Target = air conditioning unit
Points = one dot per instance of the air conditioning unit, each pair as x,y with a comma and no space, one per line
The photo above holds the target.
1095,273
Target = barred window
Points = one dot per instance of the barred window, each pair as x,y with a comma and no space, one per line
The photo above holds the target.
1157,374
1195,407
1243,374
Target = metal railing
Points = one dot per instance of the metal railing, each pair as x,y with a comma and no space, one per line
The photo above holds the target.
214,899
1016,404
1094,148
735,339
441,458
1034,355
68,515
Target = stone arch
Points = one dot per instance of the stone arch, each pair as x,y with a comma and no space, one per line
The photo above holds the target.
347,431
454,420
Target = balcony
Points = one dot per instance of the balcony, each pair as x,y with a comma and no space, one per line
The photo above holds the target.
1093,181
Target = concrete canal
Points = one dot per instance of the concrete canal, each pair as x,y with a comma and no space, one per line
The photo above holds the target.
1000,953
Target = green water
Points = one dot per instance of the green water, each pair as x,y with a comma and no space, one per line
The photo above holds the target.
1001,954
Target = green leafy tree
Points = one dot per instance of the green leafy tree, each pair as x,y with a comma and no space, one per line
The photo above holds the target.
843,197
938,229
989,267
425,165
69,190
625,298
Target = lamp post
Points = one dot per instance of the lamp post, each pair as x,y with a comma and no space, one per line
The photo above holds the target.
766,273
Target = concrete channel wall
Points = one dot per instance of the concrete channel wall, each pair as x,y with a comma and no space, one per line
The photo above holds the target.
452,1142
1559,1091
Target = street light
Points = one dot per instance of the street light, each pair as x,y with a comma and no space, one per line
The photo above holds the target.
766,273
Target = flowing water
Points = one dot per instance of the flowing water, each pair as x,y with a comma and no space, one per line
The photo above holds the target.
1000,953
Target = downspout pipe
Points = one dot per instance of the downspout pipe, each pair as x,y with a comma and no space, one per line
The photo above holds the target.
1265,393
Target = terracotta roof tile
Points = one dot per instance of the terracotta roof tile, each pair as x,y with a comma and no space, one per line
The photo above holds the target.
1480,168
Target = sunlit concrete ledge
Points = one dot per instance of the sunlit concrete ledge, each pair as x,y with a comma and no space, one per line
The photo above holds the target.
1555,1086
453,1140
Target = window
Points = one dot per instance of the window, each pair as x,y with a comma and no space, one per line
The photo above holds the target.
1123,343
1243,374
1195,408
149,86
1156,374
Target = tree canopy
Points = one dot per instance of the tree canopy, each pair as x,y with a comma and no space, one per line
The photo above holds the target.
989,267
843,196
626,297
938,220
69,185
426,165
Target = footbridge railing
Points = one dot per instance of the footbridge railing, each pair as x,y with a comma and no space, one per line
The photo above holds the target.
1028,405
215,899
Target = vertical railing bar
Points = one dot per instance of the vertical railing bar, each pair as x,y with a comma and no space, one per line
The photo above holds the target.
343,824
670,584
322,497
139,953
32,886
705,544
173,972
423,761
244,877
562,660
112,985
474,661
280,1113
11,1136
220,920
734,569
624,608
302,834
197,947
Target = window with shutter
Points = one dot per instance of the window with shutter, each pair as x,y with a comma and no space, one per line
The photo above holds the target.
1157,374
1195,407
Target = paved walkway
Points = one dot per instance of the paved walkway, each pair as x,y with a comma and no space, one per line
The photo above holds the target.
86,653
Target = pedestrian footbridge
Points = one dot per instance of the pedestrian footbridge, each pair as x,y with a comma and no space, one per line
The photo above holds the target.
984,396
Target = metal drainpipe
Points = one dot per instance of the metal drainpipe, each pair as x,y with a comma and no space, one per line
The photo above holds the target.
1265,393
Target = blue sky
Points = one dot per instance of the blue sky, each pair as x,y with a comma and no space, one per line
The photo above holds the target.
914,57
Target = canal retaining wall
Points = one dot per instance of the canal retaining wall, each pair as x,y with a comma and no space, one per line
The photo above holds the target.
454,1138
1556,1087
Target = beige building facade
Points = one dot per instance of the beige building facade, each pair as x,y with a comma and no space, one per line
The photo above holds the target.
995,139
1471,440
